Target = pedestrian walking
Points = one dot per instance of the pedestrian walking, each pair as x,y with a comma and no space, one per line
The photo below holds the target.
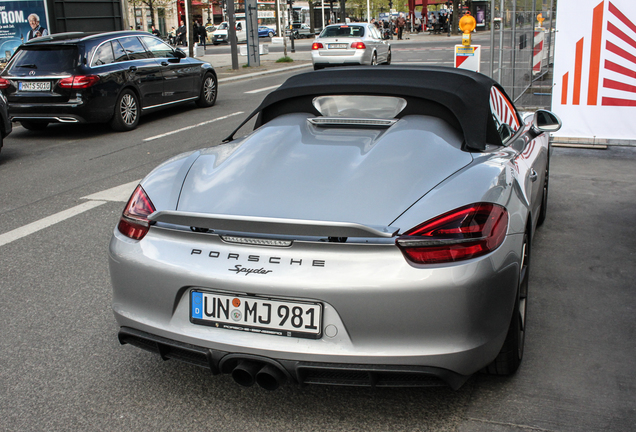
401,23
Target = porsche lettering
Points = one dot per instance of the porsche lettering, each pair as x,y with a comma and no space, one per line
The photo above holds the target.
258,258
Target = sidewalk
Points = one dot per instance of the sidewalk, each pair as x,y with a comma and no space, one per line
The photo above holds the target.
222,64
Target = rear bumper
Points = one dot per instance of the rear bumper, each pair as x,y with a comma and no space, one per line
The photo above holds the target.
88,111
299,372
356,57
385,311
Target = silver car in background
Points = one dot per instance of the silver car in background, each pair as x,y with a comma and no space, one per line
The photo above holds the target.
350,44
353,238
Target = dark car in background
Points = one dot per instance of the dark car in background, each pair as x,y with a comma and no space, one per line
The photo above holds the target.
101,77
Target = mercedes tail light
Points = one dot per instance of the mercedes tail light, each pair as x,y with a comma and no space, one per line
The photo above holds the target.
134,221
358,45
464,233
316,45
4,84
79,81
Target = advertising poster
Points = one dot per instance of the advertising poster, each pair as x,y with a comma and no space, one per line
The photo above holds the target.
480,15
14,23
594,62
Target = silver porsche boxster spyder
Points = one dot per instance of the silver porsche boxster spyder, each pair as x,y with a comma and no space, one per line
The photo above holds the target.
374,229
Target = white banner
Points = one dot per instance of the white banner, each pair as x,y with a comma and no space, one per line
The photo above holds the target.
595,69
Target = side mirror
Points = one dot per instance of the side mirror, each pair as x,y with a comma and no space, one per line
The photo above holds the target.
545,121
179,53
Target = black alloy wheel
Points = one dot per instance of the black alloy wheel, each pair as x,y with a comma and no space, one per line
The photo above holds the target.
127,111
207,98
509,358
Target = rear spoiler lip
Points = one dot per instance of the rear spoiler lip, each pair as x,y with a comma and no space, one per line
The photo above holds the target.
275,226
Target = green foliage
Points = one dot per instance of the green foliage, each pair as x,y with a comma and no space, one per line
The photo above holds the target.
285,60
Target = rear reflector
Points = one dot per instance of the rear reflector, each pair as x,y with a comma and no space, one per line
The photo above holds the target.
464,233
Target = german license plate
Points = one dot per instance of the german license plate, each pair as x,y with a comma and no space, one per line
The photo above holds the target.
256,314
338,46
34,85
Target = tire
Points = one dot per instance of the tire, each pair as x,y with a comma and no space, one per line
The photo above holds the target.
543,212
271,34
374,60
127,111
509,358
318,67
209,91
388,59
34,125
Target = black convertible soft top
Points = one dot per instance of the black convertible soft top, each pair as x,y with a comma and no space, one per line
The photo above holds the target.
459,96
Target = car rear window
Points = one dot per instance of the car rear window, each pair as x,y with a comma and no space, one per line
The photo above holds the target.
343,31
48,59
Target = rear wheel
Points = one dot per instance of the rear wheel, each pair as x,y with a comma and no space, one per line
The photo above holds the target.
207,98
388,58
374,60
34,125
318,67
271,34
509,358
127,110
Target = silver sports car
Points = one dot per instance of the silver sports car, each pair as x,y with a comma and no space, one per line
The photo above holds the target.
373,230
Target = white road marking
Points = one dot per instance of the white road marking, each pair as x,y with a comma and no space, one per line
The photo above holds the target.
119,193
36,226
192,127
262,89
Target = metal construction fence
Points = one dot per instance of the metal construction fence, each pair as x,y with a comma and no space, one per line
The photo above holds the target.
523,49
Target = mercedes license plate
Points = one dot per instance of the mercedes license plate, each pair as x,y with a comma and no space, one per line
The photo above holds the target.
338,46
256,314
34,86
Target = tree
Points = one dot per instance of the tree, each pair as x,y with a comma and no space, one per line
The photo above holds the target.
151,5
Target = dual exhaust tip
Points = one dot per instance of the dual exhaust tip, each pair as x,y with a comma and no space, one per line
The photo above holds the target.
268,376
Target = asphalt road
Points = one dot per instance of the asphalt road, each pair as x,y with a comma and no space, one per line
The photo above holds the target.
62,369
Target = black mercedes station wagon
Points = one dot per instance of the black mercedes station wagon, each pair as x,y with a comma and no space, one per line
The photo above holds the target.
101,77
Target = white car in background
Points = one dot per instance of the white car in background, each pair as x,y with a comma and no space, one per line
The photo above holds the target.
220,34
355,44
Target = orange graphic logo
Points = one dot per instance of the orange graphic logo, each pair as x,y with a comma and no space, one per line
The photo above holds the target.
605,40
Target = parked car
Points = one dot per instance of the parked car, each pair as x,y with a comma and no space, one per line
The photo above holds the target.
220,35
102,77
264,31
362,234
5,123
350,44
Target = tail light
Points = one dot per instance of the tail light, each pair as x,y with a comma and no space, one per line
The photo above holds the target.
358,45
4,84
461,234
134,221
316,45
79,81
